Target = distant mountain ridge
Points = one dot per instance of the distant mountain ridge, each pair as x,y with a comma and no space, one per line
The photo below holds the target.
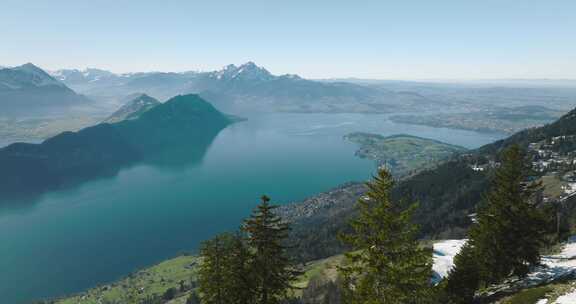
185,125
27,89
246,88
87,75
27,75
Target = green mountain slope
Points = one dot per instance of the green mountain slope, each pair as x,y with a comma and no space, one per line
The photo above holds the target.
184,125
447,194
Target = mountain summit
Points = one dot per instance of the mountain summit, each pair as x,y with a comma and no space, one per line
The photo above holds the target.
28,90
248,71
26,76
181,129
133,108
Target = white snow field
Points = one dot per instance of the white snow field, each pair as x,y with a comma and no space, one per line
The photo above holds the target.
569,298
554,267
444,252
561,265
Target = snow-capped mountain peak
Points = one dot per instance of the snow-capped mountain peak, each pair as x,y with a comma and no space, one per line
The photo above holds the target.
86,75
246,71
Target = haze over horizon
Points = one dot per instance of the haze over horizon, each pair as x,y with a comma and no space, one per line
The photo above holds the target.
368,39
287,152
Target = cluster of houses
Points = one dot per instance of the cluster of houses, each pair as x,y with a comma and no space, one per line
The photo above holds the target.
547,158
550,160
555,156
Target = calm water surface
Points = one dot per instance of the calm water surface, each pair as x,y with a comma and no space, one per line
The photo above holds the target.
67,241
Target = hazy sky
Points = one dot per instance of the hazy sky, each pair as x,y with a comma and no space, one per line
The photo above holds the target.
401,39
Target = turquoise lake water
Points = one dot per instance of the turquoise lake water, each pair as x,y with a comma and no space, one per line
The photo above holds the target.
70,240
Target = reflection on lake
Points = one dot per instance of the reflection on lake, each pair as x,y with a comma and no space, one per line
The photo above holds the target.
66,241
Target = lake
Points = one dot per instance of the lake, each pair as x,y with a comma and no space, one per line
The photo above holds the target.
66,241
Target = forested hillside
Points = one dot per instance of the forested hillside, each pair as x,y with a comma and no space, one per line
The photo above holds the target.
184,124
447,194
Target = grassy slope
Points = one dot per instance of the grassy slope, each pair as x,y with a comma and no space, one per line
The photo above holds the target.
168,274
142,284
552,186
157,279
325,267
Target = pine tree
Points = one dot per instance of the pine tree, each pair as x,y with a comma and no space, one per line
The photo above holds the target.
388,265
224,277
272,271
509,232
463,278
239,273
213,271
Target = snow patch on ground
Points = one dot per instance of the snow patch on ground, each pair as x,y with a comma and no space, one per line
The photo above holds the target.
569,251
569,298
444,252
555,266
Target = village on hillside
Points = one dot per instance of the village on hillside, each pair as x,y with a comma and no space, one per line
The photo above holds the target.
555,160
554,163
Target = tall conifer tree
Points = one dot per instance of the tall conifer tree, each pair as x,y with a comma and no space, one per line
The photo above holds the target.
464,277
213,271
388,265
224,277
509,233
239,274
510,230
272,271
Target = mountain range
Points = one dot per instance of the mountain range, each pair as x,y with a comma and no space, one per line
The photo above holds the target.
27,89
248,88
245,88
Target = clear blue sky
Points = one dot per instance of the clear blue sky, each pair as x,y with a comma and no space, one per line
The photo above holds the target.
401,39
